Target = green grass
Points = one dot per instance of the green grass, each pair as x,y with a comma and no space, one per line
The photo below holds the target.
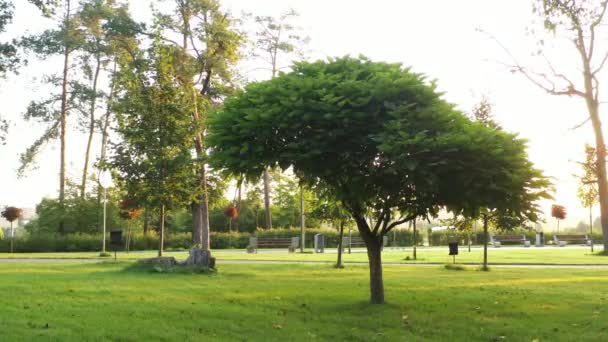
113,301
546,255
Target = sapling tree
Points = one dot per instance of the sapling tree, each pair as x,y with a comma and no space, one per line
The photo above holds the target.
155,158
384,143
559,212
587,184
11,214
129,211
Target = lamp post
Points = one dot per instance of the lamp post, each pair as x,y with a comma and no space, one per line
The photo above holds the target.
105,181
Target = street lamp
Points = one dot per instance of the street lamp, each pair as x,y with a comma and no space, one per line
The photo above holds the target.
105,181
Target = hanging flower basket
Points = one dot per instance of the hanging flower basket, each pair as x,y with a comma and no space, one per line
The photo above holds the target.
231,212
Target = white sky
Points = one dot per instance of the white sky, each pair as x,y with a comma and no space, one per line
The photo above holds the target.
436,37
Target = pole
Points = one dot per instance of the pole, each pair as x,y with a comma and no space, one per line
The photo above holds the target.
105,203
350,238
12,236
161,241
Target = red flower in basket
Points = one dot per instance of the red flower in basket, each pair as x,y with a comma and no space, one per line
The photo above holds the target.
231,212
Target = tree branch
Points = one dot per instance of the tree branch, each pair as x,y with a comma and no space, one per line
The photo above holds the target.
533,76
581,124
398,222
601,66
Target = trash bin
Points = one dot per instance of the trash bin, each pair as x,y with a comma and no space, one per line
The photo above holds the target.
319,243
116,238
539,240
453,248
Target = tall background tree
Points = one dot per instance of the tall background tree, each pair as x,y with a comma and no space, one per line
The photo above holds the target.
349,125
62,40
154,158
210,45
276,43
582,25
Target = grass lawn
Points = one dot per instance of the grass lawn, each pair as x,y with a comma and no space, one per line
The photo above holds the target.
110,301
546,255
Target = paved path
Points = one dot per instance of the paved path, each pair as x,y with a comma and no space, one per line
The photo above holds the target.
427,264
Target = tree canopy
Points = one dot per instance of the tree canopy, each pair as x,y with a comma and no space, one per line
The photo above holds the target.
381,139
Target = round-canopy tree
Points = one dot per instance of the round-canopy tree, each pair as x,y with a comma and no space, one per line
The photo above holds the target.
11,214
381,140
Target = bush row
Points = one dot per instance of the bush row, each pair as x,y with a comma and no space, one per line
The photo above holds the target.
33,243
178,241
442,238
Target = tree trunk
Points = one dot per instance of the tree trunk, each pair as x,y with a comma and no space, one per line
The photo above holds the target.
600,146
375,272
85,169
237,221
146,221
485,242
339,262
204,206
197,231
591,226
415,242
267,199
373,242
63,117
302,223
161,241
601,172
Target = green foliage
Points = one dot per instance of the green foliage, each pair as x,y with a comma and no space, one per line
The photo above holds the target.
378,137
9,57
588,192
79,216
155,160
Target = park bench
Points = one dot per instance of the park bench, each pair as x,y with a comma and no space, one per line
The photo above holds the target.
356,241
562,240
290,243
498,240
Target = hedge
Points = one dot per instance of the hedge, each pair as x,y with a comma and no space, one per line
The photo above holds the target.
33,243
441,238
182,241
